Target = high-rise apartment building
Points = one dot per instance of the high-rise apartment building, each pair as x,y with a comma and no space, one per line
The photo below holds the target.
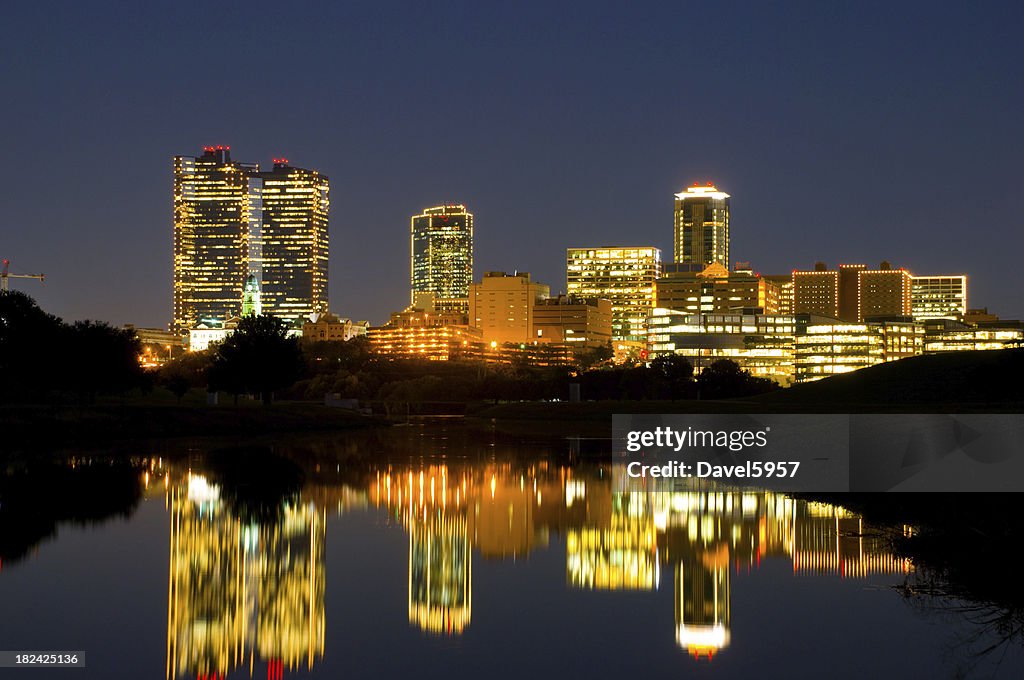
501,306
442,256
295,204
702,226
623,275
938,297
217,219
247,241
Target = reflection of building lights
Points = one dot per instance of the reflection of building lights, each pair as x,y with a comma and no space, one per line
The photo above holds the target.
201,491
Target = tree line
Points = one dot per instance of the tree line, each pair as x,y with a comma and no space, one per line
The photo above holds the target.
41,355
44,358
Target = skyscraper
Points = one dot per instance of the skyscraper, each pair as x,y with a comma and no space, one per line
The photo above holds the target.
246,241
216,235
625,276
442,256
294,242
702,226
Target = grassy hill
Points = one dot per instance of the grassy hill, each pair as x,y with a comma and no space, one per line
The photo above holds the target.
975,380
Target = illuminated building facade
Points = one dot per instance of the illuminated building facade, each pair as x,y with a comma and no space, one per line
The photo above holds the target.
502,306
883,292
938,297
759,343
702,226
716,290
330,328
416,333
853,293
294,240
217,221
824,350
625,276
784,285
579,322
943,335
816,292
442,256
209,333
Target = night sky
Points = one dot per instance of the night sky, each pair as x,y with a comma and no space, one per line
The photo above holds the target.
845,132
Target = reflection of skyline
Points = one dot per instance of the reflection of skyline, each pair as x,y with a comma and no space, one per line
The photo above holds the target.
241,591
626,540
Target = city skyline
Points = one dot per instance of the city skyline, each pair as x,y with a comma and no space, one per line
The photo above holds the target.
801,131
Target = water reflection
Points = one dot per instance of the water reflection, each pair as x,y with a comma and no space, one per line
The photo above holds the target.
612,540
247,591
239,591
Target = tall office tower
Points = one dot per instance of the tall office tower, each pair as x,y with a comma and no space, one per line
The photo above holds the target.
938,297
217,219
501,306
625,276
702,226
442,256
294,242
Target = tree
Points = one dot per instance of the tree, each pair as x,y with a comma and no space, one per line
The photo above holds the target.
258,358
675,375
100,359
29,344
594,357
724,379
186,372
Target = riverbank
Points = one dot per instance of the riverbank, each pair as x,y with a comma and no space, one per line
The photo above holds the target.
37,426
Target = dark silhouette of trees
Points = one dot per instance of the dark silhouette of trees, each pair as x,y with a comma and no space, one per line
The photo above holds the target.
258,358
40,355
188,371
675,375
724,379
100,359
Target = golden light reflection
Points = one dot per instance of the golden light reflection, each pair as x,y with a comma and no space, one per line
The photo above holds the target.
241,592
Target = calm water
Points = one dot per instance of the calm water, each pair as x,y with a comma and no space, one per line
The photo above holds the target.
433,551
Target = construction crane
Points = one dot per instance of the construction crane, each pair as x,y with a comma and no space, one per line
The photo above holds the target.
5,275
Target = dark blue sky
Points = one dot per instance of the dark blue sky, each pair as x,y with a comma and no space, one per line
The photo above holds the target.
845,132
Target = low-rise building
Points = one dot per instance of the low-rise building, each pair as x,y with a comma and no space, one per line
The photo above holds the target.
760,343
826,349
943,335
716,290
210,332
416,333
331,328
576,321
